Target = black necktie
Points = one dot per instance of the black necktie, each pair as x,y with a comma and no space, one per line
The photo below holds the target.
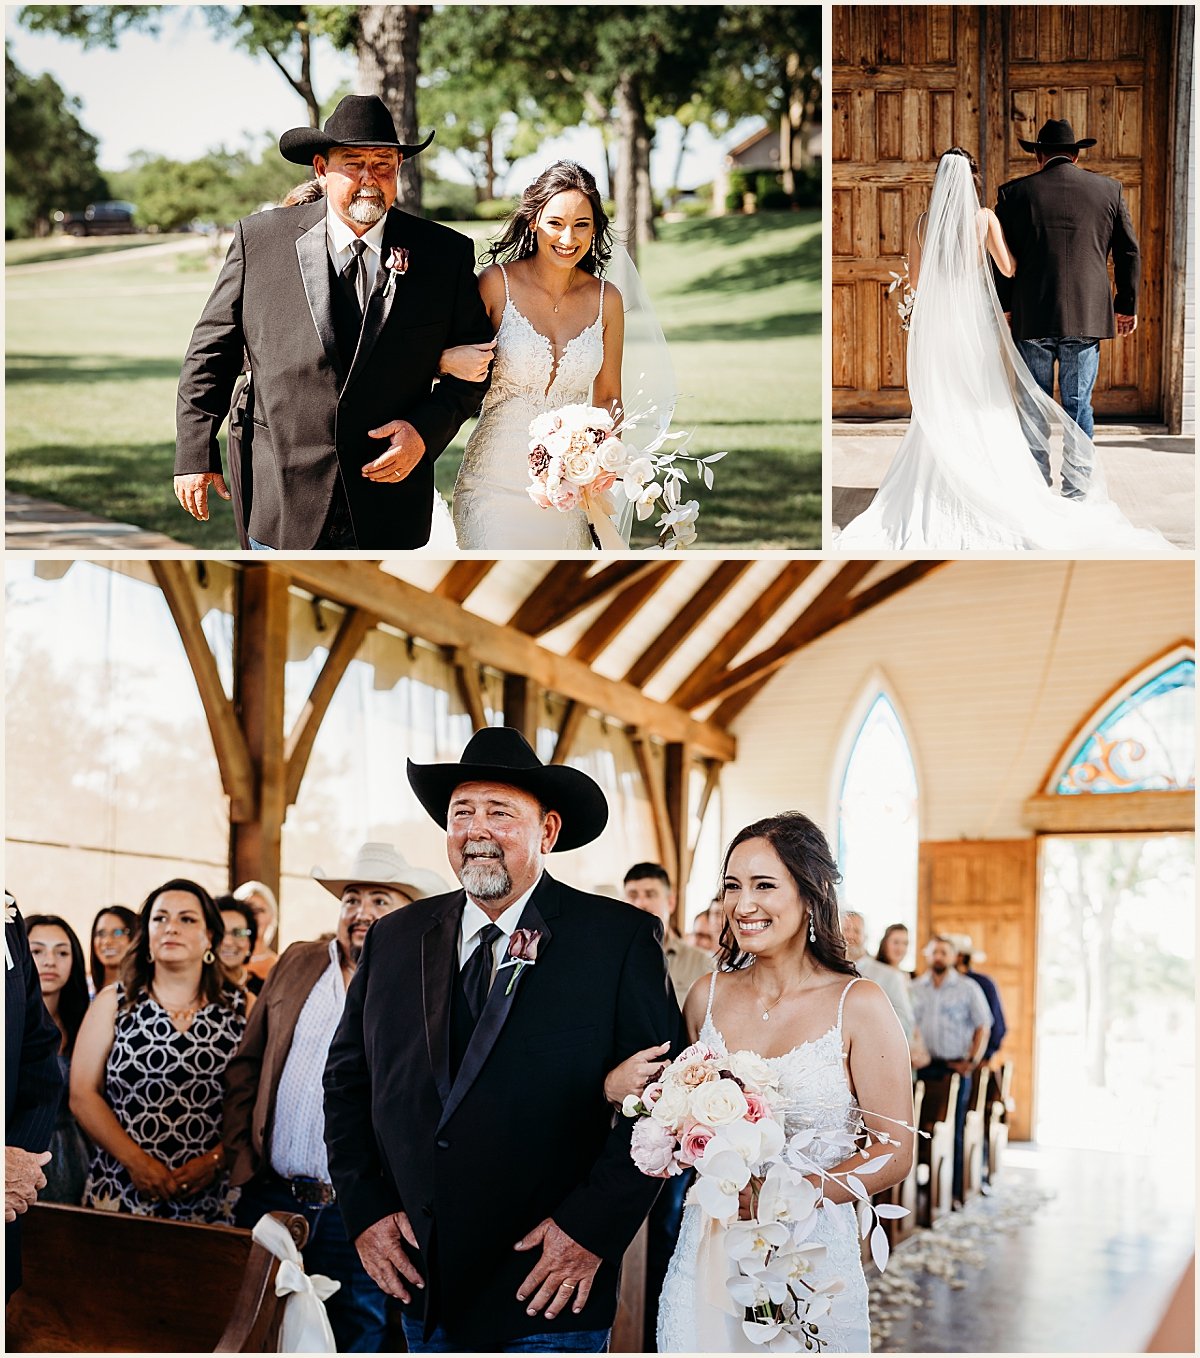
354,275
476,974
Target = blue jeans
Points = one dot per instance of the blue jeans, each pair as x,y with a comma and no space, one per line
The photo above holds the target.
260,546
358,1309
938,1069
1078,360
552,1341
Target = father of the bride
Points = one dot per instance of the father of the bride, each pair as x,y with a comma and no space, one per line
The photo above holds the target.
477,1165
1062,223
343,307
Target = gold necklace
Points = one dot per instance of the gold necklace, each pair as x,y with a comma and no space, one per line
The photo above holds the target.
570,285
766,1014
178,1015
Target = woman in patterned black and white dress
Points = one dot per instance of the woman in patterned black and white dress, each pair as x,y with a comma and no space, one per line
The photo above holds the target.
147,1078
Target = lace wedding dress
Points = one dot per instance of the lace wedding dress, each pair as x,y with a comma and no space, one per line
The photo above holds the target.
815,1093
965,475
492,510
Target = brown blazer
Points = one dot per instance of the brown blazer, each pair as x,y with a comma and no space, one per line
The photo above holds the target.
252,1077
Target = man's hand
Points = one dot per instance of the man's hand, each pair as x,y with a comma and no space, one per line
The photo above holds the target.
192,492
401,455
962,1067
565,1270
382,1254
1126,325
22,1178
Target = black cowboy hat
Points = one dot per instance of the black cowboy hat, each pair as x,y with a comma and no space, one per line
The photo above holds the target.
500,754
359,120
1056,134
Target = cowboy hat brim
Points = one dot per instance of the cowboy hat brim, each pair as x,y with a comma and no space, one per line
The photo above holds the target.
1079,145
300,144
578,799
416,882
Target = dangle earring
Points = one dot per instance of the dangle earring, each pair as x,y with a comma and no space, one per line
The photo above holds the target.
812,931
209,957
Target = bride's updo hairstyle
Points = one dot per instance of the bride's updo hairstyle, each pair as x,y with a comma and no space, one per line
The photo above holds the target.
519,239
969,158
806,855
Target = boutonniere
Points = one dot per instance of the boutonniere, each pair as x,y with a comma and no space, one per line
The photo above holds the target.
10,917
397,266
522,953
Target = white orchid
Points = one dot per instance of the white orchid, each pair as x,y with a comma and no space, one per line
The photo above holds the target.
643,502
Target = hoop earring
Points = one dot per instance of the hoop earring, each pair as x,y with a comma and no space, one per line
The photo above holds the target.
209,957
812,929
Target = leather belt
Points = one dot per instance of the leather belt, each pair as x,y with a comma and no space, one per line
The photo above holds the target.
308,1192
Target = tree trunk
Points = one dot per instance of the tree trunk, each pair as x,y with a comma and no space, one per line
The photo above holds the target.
629,118
677,174
388,62
645,190
490,163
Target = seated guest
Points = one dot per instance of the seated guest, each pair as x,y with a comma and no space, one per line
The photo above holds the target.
274,1108
241,934
146,1080
261,899
991,993
112,937
58,957
893,984
954,1020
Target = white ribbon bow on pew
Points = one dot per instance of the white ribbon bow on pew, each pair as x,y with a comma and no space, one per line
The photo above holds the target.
305,1327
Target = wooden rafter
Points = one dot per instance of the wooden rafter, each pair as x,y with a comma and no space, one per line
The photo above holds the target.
677,788
441,622
569,589
462,579
521,696
654,783
698,607
229,741
768,603
568,729
624,604
466,674
356,623
835,605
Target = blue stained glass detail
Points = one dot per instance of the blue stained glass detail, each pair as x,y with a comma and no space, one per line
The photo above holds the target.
1146,743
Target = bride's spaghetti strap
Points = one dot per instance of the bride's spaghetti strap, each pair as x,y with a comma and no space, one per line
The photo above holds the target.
712,987
842,1001
504,275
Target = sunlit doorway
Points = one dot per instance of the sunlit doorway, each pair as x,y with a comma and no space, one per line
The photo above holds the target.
1115,1006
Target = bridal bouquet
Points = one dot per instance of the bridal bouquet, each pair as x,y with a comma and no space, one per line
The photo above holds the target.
577,460
904,303
720,1113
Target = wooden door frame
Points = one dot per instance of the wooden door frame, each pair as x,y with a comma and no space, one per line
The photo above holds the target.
1175,245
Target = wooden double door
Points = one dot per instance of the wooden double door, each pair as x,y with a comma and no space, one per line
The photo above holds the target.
911,81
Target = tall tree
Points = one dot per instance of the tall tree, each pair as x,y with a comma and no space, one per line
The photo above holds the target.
388,47
49,158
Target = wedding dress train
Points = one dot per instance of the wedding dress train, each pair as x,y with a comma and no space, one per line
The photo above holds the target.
492,510
965,475
814,1094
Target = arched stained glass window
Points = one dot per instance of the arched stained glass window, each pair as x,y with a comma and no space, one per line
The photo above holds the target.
1145,743
877,823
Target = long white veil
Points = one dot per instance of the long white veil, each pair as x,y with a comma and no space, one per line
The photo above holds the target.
649,389
961,343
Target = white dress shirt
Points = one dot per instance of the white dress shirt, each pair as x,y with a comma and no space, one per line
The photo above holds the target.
339,238
475,918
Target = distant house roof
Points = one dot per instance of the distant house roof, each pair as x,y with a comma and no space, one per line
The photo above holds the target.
760,150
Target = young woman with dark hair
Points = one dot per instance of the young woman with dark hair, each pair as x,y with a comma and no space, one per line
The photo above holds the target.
112,937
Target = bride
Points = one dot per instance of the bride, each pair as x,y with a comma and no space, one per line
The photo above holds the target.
785,990
966,474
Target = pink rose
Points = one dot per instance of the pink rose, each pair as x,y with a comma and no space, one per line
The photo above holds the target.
756,1107
698,1051
691,1148
605,481
653,1149
694,1074
397,261
523,945
564,496
537,493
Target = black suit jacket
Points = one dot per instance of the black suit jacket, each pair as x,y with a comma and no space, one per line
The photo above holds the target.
523,1132
313,405
1061,225
32,1078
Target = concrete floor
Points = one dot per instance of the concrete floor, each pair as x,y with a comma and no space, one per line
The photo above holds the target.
1091,1271
1151,474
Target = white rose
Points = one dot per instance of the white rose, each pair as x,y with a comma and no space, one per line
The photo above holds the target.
672,1106
580,466
718,1102
613,455
752,1070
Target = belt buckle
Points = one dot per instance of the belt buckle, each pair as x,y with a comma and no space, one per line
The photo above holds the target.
312,1192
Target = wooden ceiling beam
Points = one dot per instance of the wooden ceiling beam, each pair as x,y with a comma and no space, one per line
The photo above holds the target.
441,622
698,607
568,589
834,606
572,720
768,603
470,690
624,604
462,579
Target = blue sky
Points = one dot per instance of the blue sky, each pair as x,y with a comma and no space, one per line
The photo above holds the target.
182,93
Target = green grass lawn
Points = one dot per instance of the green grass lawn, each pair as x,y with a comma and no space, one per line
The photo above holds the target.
93,357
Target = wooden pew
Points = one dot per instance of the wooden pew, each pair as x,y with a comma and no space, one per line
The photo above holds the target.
1000,1104
935,1185
974,1128
109,1282
631,1306
904,1194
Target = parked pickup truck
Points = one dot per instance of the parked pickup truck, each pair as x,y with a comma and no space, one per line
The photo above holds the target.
98,219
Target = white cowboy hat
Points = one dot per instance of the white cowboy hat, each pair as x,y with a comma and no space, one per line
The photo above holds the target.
381,865
964,945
